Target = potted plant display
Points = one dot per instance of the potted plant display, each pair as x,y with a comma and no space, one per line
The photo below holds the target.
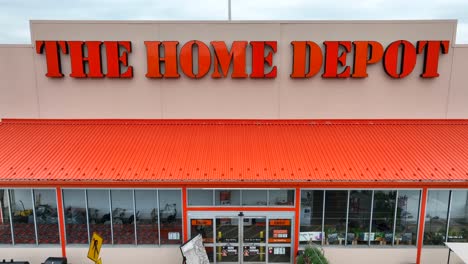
312,255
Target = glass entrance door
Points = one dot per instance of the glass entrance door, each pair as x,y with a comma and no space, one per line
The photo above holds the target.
250,239
227,239
241,239
254,239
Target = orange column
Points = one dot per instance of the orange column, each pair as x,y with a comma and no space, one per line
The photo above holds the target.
296,222
185,214
61,219
422,218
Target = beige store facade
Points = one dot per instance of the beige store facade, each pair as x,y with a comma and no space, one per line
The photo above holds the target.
370,168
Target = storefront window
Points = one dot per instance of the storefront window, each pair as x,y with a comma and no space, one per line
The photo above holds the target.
383,217
198,197
227,197
254,197
335,217
204,227
210,253
99,214
46,216
359,218
5,227
23,218
123,216
281,198
458,225
147,216
279,231
279,254
170,212
435,227
311,216
74,204
407,217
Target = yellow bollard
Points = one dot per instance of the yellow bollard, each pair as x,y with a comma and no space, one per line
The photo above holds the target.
219,248
262,253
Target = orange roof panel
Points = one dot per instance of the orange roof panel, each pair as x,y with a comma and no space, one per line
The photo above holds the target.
216,151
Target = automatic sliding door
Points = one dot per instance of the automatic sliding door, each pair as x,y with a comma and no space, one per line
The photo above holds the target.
227,240
254,239
250,239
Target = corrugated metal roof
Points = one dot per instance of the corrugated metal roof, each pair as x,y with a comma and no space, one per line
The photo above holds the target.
234,150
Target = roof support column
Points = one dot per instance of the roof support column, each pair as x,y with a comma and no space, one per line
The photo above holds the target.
61,219
184,214
297,212
422,218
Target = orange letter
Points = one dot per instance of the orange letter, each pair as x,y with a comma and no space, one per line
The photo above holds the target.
299,59
361,57
77,59
431,56
332,58
259,59
186,59
408,59
223,58
169,59
114,59
52,56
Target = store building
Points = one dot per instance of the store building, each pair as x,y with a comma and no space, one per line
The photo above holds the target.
262,136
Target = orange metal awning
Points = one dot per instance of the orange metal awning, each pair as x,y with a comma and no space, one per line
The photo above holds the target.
226,151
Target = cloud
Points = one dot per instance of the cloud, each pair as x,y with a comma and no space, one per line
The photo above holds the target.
15,15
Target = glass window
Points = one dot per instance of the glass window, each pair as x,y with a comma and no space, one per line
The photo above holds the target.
227,232
204,227
170,213
254,197
123,216
279,254
279,231
74,204
147,216
407,217
281,198
335,216
99,214
311,216
254,230
200,197
435,226
227,197
46,216
458,225
360,203
23,218
5,227
210,253
383,217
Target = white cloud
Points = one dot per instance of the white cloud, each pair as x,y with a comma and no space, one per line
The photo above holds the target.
15,14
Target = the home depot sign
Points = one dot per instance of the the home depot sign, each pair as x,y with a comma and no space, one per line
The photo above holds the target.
197,59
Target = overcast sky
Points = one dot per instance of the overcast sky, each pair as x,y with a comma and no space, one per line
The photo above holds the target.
15,14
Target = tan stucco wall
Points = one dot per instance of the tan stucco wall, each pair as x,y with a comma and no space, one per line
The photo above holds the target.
29,253
171,255
377,96
458,98
18,96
